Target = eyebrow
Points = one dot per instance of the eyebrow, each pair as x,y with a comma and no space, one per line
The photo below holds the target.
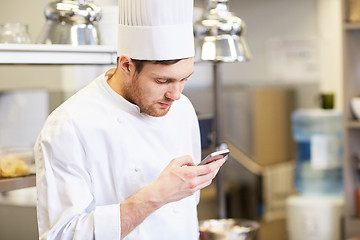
170,78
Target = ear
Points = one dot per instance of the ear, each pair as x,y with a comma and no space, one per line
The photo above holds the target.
125,65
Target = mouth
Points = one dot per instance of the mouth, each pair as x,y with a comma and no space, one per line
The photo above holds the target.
165,104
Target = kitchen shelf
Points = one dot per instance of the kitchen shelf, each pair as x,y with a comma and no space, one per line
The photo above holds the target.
43,54
352,26
353,124
353,226
351,89
8,184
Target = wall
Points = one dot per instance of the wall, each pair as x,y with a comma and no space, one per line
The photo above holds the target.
267,20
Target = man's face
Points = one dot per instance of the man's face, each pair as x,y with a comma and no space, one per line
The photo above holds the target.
157,86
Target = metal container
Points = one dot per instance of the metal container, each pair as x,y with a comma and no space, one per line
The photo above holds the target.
71,22
228,229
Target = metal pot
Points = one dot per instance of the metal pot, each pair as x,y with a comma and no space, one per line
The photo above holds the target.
71,22
228,229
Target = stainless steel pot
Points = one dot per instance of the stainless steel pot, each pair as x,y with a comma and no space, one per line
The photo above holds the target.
228,229
71,22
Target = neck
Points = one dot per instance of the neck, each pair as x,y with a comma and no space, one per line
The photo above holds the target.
115,80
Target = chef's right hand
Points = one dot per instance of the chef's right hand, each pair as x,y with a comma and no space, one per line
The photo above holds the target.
182,178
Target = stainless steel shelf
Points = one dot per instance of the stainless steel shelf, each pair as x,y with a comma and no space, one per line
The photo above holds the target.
42,54
8,184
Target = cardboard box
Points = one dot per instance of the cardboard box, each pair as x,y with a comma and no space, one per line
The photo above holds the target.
272,135
258,121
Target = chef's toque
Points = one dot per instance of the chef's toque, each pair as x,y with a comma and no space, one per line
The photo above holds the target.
156,29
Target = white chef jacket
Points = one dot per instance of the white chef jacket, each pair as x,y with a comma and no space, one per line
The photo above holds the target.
95,151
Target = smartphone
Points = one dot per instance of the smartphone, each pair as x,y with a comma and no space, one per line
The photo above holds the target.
214,156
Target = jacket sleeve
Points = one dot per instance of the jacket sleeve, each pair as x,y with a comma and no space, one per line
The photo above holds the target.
66,208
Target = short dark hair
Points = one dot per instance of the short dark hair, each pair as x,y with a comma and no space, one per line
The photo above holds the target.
139,64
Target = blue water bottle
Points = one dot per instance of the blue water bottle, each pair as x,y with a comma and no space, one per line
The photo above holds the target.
318,136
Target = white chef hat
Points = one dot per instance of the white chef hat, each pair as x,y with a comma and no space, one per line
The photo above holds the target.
156,29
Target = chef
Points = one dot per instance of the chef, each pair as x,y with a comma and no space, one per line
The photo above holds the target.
118,160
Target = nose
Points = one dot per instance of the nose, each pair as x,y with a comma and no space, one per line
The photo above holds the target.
174,91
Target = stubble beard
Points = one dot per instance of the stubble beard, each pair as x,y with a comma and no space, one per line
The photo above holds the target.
134,94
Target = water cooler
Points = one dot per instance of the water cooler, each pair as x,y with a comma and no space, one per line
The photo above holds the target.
316,212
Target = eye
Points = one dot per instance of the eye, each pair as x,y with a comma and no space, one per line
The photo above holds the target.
161,80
